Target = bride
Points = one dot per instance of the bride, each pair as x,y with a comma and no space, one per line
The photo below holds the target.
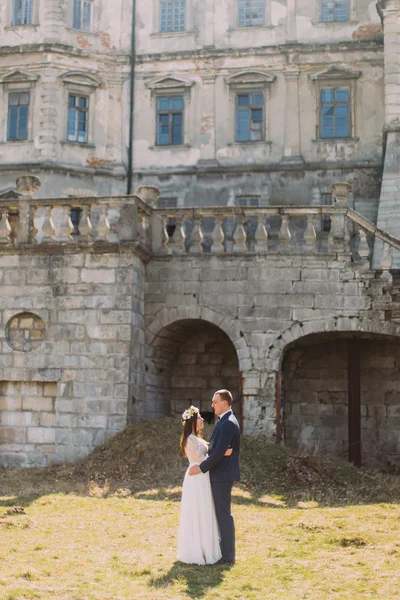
198,536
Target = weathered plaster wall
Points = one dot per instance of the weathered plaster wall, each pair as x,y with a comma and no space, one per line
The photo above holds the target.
100,63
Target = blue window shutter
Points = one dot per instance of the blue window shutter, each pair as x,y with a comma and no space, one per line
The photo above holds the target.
77,24
12,122
23,123
27,16
87,16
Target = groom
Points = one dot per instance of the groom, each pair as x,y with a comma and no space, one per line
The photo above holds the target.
224,470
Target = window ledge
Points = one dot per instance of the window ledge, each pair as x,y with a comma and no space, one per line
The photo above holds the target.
28,26
163,34
83,31
334,23
16,142
251,144
170,147
79,144
340,140
251,27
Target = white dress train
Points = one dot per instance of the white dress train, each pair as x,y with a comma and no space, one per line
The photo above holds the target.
198,537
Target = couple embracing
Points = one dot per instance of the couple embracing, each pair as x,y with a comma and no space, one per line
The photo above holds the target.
206,528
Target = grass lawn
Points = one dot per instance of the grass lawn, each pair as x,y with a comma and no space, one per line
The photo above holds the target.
72,534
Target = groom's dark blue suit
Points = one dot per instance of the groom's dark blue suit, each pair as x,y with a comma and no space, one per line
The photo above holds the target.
224,470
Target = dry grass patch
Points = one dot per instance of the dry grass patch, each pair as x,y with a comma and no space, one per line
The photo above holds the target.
105,528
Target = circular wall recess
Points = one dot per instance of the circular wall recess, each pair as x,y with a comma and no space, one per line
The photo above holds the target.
25,332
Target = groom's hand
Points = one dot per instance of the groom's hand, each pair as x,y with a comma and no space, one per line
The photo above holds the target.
194,470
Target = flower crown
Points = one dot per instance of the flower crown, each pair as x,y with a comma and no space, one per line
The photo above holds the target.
189,413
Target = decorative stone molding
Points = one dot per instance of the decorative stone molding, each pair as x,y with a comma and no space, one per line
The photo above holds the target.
168,82
334,73
251,78
17,76
80,78
28,184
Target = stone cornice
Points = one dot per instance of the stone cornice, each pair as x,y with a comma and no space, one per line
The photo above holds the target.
116,171
66,49
259,168
282,49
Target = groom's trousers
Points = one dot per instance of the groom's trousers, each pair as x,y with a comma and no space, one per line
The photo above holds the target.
222,493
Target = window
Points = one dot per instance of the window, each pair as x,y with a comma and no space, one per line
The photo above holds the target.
22,12
335,112
172,15
251,13
334,10
247,201
18,115
82,18
78,116
249,117
170,121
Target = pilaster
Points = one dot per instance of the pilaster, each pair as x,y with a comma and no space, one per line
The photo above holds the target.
292,150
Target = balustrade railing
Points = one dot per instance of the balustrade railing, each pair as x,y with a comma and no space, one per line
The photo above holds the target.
196,231
79,221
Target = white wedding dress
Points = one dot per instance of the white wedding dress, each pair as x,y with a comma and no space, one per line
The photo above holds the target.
198,537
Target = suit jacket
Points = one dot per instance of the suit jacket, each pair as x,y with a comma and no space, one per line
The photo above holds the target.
226,434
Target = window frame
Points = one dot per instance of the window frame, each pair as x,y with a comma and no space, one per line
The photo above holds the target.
81,84
18,82
14,22
160,19
335,103
335,77
246,25
90,3
250,108
335,20
19,105
171,112
79,110
169,85
249,82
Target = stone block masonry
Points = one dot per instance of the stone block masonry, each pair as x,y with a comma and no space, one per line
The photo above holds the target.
67,326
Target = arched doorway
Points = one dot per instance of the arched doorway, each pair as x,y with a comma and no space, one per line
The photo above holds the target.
187,362
341,396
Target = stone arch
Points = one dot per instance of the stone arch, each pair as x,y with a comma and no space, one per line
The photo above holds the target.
191,352
167,316
277,349
339,383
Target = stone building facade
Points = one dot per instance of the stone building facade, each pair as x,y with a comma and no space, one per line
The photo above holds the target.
284,59
64,87
247,272
102,326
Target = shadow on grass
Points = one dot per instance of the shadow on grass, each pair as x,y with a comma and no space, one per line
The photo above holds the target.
251,500
198,579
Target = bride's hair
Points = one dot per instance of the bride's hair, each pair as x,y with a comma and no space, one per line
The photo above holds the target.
189,426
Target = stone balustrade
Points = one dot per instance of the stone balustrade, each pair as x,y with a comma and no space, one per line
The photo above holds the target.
74,221
201,230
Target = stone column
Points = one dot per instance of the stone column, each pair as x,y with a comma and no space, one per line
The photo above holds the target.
389,203
292,152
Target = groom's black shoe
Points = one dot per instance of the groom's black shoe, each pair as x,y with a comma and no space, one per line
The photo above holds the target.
224,561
